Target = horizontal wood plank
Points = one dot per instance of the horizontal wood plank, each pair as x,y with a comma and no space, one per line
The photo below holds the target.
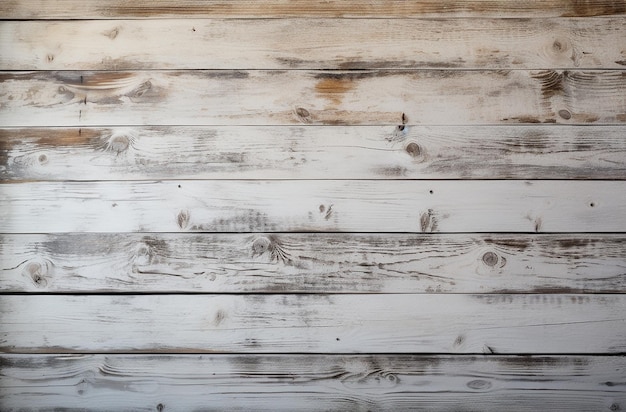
295,44
313,152
297,382
329,205
95,9
324,97
295,263
367,323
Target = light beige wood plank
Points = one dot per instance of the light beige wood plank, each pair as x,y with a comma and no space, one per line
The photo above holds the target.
95,9
295,44
299,152
367,323
330,205
330,263
430,97
297,382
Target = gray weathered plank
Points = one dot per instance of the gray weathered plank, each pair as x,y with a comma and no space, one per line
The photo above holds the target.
325,263
276,323
96,9
311,382
324,97
328,205
295,44
313,152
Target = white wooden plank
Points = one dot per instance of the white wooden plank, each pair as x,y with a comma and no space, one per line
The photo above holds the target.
355,97
295,43
367,323
337,263
329,205
313,152
95,9
307,382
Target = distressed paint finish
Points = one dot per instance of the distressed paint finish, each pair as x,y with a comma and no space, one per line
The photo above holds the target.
312,263
329,205
341,137
95,9
313,152
296,382
392,97
296,44
277,323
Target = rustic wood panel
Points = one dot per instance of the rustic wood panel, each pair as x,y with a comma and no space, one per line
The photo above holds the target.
295,44
297,382
323,97
313,152
95,9
365,323
325,263
329,205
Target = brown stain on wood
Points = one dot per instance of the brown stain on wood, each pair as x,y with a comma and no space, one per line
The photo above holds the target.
65,137
334,89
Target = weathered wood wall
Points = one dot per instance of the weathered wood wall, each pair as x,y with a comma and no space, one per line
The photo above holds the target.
313,205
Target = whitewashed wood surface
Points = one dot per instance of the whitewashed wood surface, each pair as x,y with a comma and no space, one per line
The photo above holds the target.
313,43
311,323
324,205
95,9
312,205
306,382
257,97
313,263
313,152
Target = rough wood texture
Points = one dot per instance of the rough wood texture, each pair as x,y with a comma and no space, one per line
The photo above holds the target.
367,323
313,44
318,263
313,152
442,97
329,205
297,382
96,9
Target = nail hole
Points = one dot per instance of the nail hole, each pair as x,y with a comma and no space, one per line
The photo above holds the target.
179,186
431,192
592,204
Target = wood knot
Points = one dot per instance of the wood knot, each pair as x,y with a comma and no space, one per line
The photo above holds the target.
565,114
413,149
119,143
113,33
428,221
143,88
557,46
43,159
260,246
160,407
303,115
479,384
615,407
37,272
50,58
490,259
183,218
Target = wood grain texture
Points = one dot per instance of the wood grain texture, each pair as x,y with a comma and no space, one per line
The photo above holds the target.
95,9
366,323
320,263
313,44
330,205
297,382
313,152
428,97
